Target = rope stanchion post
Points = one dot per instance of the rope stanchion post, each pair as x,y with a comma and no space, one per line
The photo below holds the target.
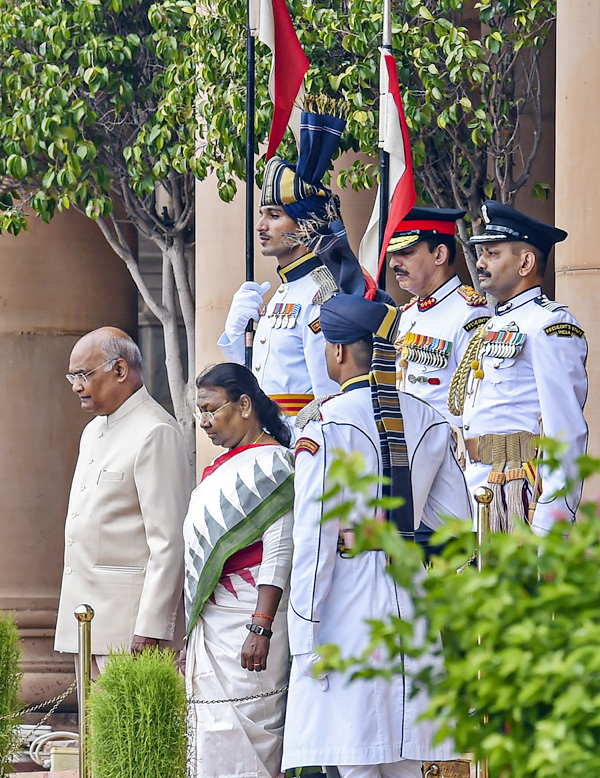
483,497
84,615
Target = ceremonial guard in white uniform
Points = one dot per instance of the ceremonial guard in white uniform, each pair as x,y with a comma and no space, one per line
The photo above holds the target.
300,225
437,324
287,356
522,376
367,728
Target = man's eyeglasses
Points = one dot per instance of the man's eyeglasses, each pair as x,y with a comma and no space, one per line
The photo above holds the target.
207,417
83,377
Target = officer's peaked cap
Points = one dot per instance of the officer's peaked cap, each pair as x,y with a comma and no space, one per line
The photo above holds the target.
504,223
420,221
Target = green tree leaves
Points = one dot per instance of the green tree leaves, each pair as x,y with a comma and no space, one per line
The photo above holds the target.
466,74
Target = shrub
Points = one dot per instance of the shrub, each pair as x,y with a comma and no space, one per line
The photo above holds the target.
10,684
137,714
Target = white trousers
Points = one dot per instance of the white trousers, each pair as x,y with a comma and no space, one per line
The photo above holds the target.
97,667
407,768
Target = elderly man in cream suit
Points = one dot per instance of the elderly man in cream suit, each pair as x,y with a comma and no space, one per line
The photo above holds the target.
130,491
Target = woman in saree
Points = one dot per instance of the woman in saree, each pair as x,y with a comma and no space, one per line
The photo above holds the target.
238,550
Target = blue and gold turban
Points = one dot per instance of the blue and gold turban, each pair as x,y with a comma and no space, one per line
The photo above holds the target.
298,189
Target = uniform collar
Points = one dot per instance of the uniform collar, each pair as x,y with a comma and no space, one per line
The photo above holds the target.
518,300
132,402
299,267
443,291
358,382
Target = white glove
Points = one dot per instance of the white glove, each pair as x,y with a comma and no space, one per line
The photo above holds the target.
246,305
306,663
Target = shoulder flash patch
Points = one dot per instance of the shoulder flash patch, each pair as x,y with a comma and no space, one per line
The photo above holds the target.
474,323
315,325
550,305
407,305
323,278
564,329
472,296
306,444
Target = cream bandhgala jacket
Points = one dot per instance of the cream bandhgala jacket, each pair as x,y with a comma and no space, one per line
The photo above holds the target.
123,533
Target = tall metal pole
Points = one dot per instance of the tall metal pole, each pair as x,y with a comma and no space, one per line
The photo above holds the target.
384,157
251,32
84,615
483,497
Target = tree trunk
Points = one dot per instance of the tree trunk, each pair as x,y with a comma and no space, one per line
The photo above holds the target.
177,297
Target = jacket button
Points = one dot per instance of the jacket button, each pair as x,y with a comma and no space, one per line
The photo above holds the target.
257,368
68,570
263,340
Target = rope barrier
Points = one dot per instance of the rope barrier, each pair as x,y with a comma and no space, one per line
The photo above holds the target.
55,702
239,699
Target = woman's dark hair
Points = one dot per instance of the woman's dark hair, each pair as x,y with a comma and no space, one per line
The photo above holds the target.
237,380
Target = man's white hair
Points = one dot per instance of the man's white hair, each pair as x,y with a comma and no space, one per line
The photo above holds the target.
122,346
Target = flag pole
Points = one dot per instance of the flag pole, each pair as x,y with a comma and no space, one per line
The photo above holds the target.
251,32
384,157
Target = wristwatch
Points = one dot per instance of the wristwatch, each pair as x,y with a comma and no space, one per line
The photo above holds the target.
256,628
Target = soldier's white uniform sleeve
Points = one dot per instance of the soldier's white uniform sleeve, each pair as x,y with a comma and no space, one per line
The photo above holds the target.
314,354
233,350
315,545
559,368
439,487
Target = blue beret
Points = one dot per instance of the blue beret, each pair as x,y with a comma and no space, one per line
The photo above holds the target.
503,223
347,318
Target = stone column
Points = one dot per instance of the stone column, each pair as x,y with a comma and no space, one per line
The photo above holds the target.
57,282
578,183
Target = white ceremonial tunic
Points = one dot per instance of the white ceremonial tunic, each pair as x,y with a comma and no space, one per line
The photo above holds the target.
547,379
288,356
366,721
445,321
123,533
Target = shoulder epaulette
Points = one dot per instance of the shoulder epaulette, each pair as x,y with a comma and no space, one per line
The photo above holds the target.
323,278
312,411
550,305
472,296
407,305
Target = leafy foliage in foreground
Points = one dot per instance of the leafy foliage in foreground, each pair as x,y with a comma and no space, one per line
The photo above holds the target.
521,642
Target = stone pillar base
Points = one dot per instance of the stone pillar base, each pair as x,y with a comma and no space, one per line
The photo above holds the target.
46,673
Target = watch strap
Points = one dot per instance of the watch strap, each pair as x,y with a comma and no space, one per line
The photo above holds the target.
260,630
